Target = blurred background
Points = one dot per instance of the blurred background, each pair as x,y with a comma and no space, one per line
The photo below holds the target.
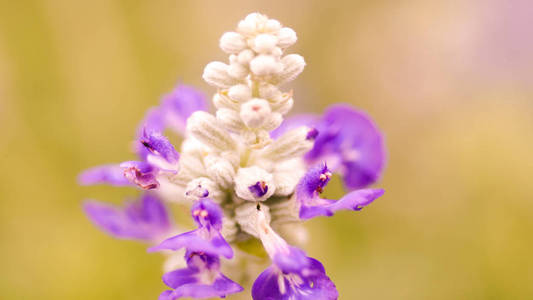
450,83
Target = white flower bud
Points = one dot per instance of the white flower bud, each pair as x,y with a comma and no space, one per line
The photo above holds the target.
255,112
286,37
231,156
287,175
269,91
232,42
237,71
291,144
240,92
216,74
284,105
245,56
264,43
256,139
272,25
293,65
208,130
203,187
250,24
273,122
220,170
221,100
230,119
254,184
265,65
246,216
276,52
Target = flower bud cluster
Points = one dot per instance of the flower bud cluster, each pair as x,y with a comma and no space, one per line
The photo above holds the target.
249,101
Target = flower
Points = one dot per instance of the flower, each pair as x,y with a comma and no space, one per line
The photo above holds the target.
313,183
245,171
207,238
200,279
144,219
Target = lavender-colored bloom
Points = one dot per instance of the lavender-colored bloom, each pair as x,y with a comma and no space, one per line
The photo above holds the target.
293,275
201,279
207,238
351,143
140,173
312,184
144,219
309,283
174,110
106,174
178,105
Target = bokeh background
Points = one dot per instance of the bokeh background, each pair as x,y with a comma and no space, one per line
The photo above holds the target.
450,83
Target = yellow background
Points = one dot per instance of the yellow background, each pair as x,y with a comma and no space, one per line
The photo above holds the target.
450,83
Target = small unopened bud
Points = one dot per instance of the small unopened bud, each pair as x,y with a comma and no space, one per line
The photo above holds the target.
291,144
273,122
208,130
254,184
245,56
286,37
202,187
284,105
240,92
264,43
232,42
269,91
216,74
293,65
221,100
265,65
220,170
230,119
272,25
238,71
255,112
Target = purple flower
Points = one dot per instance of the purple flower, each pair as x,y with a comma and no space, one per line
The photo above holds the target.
144,219
140,173
347,139
106,174
310,282
174,110
312,184
207,238
201,279
350,142
293,275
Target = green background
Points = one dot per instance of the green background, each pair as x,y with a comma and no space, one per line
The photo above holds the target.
450,83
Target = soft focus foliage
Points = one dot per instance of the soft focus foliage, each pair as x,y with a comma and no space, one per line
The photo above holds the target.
449,83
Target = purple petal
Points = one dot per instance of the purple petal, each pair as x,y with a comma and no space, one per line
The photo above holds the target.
106,174
154,121
294,122
259,189
160,149
312,205
178,105
140,173
221,287
350,142
199,240
144,219
310,283
201,278
207,213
